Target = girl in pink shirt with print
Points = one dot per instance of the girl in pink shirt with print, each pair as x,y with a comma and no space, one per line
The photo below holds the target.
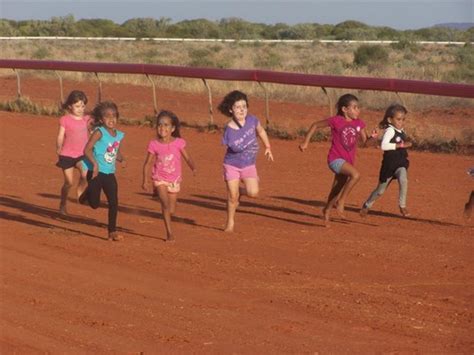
166,151
346,127
72,138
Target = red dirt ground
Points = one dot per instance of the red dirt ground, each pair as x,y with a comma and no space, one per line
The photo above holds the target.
281,283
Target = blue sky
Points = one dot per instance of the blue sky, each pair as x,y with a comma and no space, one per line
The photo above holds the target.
398,14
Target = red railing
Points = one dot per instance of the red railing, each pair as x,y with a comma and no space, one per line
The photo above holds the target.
259,76
330,81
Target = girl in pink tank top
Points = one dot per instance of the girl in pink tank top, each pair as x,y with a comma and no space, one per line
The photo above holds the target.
72,138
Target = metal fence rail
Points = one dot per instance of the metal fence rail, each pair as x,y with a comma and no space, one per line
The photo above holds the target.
259,76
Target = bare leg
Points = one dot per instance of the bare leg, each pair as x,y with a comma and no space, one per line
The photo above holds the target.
250,187
81,186
353,177
337,185
164,197
469,206
68,180
232,203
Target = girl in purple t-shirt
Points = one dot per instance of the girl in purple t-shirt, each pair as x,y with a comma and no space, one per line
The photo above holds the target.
346,127
166,151
70,143
240,138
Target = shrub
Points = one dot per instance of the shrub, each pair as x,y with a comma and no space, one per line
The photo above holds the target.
367,54
41,53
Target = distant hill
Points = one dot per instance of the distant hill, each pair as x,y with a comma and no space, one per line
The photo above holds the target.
456,25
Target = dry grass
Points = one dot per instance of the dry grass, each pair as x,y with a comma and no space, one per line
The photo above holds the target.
427,62
433,63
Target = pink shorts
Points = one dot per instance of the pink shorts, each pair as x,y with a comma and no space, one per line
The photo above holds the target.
172,187
234,173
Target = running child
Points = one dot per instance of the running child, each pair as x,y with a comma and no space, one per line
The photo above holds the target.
70,142
346,127
102,150
166,151
395,158
240,137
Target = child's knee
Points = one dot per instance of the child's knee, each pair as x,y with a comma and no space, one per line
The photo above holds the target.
356,176
233,199
252,193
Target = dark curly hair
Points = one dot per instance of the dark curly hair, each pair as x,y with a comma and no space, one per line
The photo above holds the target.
229,100
99,111
174,121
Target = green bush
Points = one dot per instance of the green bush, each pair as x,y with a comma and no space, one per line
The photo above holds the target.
41,53
368,54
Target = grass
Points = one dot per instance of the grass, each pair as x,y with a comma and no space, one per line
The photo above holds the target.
408,61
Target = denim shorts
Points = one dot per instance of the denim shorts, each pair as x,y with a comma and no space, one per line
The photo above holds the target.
336,165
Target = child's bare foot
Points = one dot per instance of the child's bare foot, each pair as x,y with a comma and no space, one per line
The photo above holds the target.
326,218
170,238
62,210
229,228
404,212
363,211
115,237
467,211
340,213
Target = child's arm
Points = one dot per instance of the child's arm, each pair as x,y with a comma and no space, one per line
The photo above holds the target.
60,139
146,170
121,156
264,137
366,137
312,129
88,151
188,160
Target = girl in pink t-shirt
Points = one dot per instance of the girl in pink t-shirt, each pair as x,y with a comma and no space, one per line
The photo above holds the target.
346,127
72,138
166,151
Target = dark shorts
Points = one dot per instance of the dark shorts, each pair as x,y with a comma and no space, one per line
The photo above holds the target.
68,162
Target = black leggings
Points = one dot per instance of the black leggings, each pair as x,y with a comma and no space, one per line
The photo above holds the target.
108,183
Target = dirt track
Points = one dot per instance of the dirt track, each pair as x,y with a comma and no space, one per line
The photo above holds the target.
281,283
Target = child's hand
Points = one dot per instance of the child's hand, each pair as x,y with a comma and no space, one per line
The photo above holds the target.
303,146
124,164
95,171
194,171
268,154
145,186
375,133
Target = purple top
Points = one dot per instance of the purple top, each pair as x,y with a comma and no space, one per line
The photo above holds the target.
344,138
242,145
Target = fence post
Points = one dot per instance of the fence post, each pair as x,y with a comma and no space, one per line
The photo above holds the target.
60,90
18,85
267,108
211,126
331,106
100,87
155,108
401,100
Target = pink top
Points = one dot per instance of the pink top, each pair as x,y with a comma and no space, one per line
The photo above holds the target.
344,138
76,135
167,165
